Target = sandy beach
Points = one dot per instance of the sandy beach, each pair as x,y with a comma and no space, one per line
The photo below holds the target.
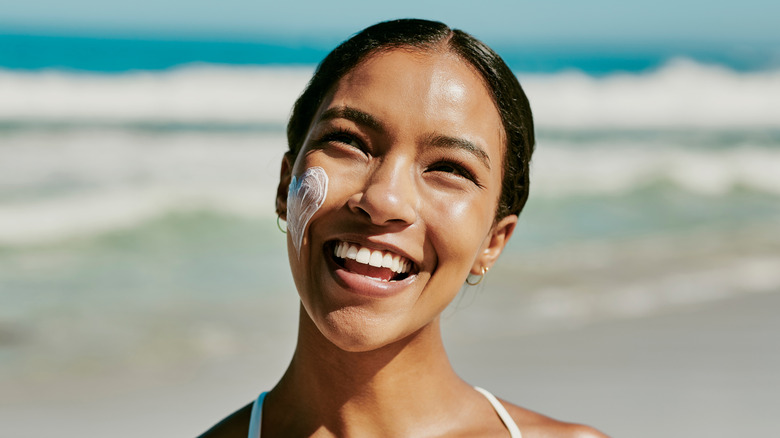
700,371
708,370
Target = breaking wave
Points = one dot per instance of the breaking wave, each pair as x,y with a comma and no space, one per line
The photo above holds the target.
681,93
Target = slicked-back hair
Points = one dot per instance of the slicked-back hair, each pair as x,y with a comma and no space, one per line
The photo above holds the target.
508,96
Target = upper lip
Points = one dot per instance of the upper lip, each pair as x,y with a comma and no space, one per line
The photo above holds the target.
380,245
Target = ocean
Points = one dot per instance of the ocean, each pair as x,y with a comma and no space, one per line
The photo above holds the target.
137,183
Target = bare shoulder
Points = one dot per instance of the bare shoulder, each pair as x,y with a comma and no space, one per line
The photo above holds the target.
535,425
235,425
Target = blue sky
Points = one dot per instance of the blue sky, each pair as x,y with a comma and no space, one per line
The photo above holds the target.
534,22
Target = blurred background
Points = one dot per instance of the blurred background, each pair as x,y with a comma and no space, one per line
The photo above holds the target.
144,287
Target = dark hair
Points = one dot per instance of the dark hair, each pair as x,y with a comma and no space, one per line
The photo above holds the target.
510,100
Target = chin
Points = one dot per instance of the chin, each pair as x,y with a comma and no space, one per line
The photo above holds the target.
358,333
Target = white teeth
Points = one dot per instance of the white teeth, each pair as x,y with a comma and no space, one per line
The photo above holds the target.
384,259
387,260
376,259
363,256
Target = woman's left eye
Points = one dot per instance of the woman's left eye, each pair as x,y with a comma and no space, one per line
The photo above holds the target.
445,167
452,168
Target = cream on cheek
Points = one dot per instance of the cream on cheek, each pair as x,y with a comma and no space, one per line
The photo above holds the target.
304,197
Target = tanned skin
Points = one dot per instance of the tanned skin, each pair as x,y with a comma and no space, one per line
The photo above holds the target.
413,146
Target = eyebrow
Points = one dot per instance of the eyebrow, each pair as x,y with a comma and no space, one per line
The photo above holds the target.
461,143
353,114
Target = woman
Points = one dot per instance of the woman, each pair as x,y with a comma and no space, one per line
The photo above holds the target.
407,168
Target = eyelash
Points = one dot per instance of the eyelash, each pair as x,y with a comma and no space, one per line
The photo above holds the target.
343,136
458,168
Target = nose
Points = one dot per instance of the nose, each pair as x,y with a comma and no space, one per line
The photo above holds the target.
389,194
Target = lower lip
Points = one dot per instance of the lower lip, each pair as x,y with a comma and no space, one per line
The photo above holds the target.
365,286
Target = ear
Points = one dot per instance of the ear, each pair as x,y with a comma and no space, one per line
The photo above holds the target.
285,176
494,244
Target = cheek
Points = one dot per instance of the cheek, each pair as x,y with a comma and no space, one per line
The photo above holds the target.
305,196
458,226
345,178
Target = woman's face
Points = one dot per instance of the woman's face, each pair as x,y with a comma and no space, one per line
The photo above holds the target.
412,145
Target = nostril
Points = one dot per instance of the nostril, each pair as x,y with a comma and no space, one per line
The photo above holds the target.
357,208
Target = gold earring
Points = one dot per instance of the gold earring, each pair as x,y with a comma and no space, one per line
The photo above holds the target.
278,225
481,276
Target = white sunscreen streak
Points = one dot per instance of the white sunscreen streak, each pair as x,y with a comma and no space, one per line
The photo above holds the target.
304,197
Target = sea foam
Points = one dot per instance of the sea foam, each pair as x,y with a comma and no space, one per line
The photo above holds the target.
682,93
190,94
109,210
560,170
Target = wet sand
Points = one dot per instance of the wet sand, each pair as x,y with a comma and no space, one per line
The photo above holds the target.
705,370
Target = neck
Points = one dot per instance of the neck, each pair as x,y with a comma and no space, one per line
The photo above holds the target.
330,391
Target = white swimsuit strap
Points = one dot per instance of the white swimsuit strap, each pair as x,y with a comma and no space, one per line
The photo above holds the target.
257,417
514,431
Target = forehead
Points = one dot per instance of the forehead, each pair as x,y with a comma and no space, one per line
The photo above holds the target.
421,89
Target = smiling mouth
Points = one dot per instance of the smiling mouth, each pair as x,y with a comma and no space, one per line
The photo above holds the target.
377,264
